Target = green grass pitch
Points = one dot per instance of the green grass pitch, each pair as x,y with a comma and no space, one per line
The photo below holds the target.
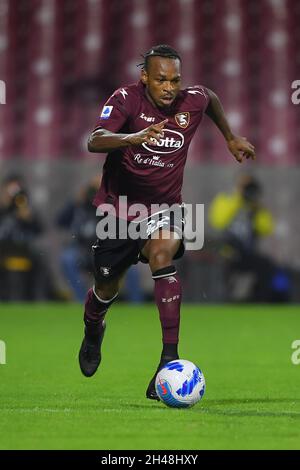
252,400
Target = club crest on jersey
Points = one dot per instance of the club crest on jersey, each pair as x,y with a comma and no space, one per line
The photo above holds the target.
182,119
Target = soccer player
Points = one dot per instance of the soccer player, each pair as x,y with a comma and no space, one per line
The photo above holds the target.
146,129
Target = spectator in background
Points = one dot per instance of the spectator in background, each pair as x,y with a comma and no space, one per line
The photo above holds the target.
242,220
79,218
19,228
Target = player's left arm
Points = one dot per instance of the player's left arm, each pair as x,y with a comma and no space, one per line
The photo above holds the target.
238,146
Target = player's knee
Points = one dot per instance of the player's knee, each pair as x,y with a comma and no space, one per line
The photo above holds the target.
106,291
159,259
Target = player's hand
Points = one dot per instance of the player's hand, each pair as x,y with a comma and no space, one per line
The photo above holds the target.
241,148
150,135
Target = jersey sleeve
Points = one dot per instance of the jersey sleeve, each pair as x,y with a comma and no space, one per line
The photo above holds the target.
201,96
115,112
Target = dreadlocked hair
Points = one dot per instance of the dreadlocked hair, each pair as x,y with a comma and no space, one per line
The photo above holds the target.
162,50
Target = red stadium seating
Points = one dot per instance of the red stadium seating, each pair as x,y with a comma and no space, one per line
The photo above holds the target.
61,59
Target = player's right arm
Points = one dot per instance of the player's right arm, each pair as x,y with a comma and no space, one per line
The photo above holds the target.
116,114
103,140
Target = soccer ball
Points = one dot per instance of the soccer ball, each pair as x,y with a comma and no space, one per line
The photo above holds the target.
180,384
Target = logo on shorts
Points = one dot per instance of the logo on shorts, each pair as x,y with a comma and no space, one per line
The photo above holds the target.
182,119
105,271
154,225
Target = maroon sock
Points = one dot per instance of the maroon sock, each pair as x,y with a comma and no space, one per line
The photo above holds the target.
95,311
167,292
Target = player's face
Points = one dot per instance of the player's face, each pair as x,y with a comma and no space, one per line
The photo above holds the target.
162,79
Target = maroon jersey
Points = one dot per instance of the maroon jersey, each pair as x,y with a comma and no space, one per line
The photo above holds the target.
149,174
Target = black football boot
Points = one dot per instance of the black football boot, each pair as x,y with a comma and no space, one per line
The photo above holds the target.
90,351
151,392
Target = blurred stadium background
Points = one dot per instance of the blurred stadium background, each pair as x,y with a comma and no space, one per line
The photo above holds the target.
61,59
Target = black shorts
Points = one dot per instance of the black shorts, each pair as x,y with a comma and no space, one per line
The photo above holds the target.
114,254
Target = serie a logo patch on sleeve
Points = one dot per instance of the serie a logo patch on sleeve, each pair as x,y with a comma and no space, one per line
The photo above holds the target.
106,112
